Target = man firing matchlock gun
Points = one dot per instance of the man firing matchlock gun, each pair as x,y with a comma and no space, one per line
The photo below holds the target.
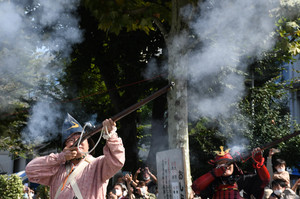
74,173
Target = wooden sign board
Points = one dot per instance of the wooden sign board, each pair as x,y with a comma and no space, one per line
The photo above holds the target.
171,174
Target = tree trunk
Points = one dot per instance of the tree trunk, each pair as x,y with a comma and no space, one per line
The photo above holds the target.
177,116
177,97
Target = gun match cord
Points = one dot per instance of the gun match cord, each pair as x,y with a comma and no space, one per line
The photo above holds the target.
97,93
245,157
82,132
123,113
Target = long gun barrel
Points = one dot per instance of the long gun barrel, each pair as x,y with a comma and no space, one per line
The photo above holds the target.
266,146
127,111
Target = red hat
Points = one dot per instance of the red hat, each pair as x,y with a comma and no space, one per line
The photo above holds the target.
221,155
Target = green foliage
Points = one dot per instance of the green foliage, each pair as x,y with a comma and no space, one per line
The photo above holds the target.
15,147
103,63
204,139
24,79
288,39
43,192
271,120
134,15
105,75
260,118
269,112
10,136
11,187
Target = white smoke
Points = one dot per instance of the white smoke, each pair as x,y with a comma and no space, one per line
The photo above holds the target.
153,69
233,33
32,34
229,31
42,125
289,8
230,35
36,38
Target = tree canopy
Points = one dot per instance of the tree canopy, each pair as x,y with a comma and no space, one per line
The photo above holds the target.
109,70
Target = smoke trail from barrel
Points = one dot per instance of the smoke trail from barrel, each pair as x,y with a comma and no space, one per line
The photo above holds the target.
233,33
223,38
36,38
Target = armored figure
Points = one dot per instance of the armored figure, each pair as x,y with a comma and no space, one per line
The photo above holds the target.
227,181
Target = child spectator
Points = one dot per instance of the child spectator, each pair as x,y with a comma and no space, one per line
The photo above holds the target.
142,191
281,191
280,166
120,191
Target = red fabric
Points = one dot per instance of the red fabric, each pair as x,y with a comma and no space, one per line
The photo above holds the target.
202,182
218,171
218,158
227,192
264,175
258,159
226,156
262,170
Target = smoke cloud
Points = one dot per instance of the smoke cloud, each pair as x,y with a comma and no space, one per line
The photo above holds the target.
35,38
225,37
231,32
42,125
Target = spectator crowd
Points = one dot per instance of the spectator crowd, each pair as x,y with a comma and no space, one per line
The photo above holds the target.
141,185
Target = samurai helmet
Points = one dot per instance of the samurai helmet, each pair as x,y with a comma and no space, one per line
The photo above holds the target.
69,127
221,155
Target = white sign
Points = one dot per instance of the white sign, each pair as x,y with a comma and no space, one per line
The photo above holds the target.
170,174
